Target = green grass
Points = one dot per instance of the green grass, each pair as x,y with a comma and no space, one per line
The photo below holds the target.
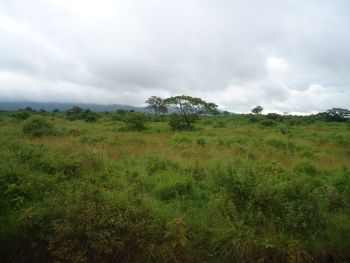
235,189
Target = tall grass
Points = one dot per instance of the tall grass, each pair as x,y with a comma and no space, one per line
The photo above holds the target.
231,190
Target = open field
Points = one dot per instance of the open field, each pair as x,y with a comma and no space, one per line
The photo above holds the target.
235,189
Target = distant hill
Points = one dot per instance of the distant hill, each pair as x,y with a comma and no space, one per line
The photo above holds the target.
50,106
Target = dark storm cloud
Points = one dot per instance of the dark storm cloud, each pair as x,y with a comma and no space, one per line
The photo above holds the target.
286,55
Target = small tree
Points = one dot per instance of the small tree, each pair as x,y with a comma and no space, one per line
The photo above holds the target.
188,109
257,110
157,104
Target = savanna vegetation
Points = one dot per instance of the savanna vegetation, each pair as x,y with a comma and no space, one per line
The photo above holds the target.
192,185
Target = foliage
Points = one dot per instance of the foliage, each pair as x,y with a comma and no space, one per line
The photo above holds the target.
337,114
90,118
182,122
189,109
38,126
74,113
157,104
186,105
257,110
135,121
77,113
21,115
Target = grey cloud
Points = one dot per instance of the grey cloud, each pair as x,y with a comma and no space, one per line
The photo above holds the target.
124,51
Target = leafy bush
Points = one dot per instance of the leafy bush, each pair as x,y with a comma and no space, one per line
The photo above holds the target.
181,122
77,113
21,115
254,118
178,187
273,116
91,118
38,126
90,229
156,163
135,121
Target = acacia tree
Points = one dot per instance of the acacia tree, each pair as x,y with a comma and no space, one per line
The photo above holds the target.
188,109
257,110
157,104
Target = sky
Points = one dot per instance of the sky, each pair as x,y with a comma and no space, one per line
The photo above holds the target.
287,56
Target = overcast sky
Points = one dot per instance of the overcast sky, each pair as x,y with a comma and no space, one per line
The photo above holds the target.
286,55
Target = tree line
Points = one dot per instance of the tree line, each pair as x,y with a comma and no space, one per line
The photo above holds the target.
181,112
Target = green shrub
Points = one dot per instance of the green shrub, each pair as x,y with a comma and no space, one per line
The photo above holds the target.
38,126
135,121
91,229
21,115
156,163
182,122
182,188
273,116
254,118
91,118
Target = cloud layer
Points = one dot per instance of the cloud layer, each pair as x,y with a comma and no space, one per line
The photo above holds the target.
288,55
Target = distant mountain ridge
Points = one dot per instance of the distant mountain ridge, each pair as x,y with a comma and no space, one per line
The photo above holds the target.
50,106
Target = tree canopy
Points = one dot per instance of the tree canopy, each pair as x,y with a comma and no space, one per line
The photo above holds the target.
157,105
337,114
257,110
186,105
188,109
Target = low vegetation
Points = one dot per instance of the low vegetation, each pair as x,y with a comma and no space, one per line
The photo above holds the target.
129,187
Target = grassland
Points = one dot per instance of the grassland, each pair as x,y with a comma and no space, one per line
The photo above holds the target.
235,189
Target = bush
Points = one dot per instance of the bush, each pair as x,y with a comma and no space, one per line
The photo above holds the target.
38,126
254,118
273,116
91,118
76,113
182,122
21,115
90,229
135,121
